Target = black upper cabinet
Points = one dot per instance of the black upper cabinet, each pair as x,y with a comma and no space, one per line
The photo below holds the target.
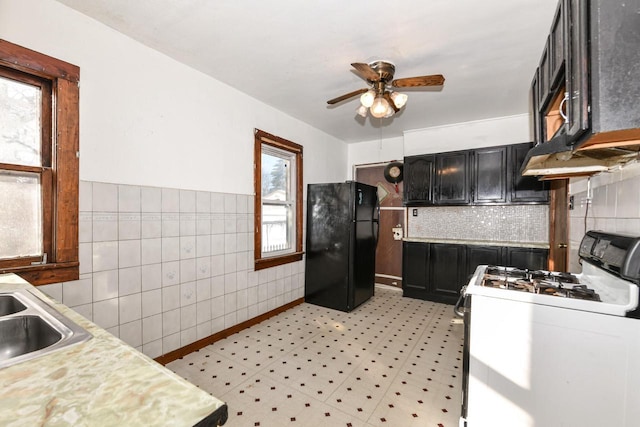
535,104
589,72
577,83
525,189
556,48
452,178
418,180
484,176
490,175
544,92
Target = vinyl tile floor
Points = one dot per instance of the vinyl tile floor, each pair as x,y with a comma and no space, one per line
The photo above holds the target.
393,361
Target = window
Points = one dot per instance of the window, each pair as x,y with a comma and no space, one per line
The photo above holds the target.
278,200
38,166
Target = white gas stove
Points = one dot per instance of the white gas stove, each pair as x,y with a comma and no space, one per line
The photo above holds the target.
555,349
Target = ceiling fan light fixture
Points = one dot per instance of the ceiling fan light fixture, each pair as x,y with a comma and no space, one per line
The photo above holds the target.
379,107
390,112
399,99
362,111
367,98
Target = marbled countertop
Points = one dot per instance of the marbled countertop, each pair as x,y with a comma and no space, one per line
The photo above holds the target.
536,245
101,382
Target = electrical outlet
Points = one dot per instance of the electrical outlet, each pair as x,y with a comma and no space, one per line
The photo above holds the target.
570,203
415,212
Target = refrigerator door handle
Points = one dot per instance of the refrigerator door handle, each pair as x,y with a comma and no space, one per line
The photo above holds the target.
375,225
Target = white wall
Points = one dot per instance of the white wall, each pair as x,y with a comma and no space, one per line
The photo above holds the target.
146,119
162,265
457,136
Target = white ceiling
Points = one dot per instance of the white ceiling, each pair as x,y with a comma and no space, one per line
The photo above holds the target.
295,55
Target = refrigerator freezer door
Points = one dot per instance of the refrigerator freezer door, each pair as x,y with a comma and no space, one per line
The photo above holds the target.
366,202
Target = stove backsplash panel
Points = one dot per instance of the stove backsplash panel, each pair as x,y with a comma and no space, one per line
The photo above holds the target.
511,223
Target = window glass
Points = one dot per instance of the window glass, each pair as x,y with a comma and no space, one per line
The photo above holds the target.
20,215
20,118
278,201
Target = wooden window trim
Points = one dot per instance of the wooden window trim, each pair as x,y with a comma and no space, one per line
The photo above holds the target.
262,137
62,261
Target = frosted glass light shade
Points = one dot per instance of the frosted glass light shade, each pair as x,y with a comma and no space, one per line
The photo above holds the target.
390,112
362,111
379,107
367,98
399,99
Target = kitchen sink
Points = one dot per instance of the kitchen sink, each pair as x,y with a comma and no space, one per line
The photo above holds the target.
9,304
31,328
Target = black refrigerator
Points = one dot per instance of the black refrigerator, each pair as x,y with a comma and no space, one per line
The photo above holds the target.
342,234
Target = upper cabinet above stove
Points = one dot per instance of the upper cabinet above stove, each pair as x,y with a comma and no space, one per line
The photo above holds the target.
484,176
585,90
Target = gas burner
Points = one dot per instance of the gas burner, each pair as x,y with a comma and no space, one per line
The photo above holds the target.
531,275
539,282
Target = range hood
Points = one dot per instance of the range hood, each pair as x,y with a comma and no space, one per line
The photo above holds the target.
558,158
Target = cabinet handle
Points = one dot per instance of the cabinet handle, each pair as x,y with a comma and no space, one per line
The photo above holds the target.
562,113
562,245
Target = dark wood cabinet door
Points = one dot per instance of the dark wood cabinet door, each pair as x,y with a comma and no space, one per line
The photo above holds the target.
415,260
452,178
556,48
525,189
531,258
535,104
490,175
481,255
418,180
577,63
446,271
544,94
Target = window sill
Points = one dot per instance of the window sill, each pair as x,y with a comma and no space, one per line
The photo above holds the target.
45,274
279,260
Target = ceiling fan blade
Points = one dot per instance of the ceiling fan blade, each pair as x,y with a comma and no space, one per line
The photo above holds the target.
432,80
366,72
387,96
346,96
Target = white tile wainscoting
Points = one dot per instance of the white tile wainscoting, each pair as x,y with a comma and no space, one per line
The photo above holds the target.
162,268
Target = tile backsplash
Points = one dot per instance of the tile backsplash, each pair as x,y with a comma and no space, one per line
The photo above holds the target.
161,267
509,223
609,202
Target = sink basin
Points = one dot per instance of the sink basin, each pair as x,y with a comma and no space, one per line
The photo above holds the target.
9,304
30,328
25,334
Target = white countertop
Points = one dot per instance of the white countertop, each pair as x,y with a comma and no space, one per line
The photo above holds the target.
101,382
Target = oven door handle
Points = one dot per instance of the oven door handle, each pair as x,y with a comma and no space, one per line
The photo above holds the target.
457,308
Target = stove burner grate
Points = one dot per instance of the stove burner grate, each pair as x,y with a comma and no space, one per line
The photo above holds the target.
538,281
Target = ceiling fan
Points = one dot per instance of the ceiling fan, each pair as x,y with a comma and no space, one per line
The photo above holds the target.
380,100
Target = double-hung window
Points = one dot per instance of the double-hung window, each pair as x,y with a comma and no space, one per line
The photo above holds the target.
278,203
38,166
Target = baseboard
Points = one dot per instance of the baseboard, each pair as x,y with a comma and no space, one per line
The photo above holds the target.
201,343
389,281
